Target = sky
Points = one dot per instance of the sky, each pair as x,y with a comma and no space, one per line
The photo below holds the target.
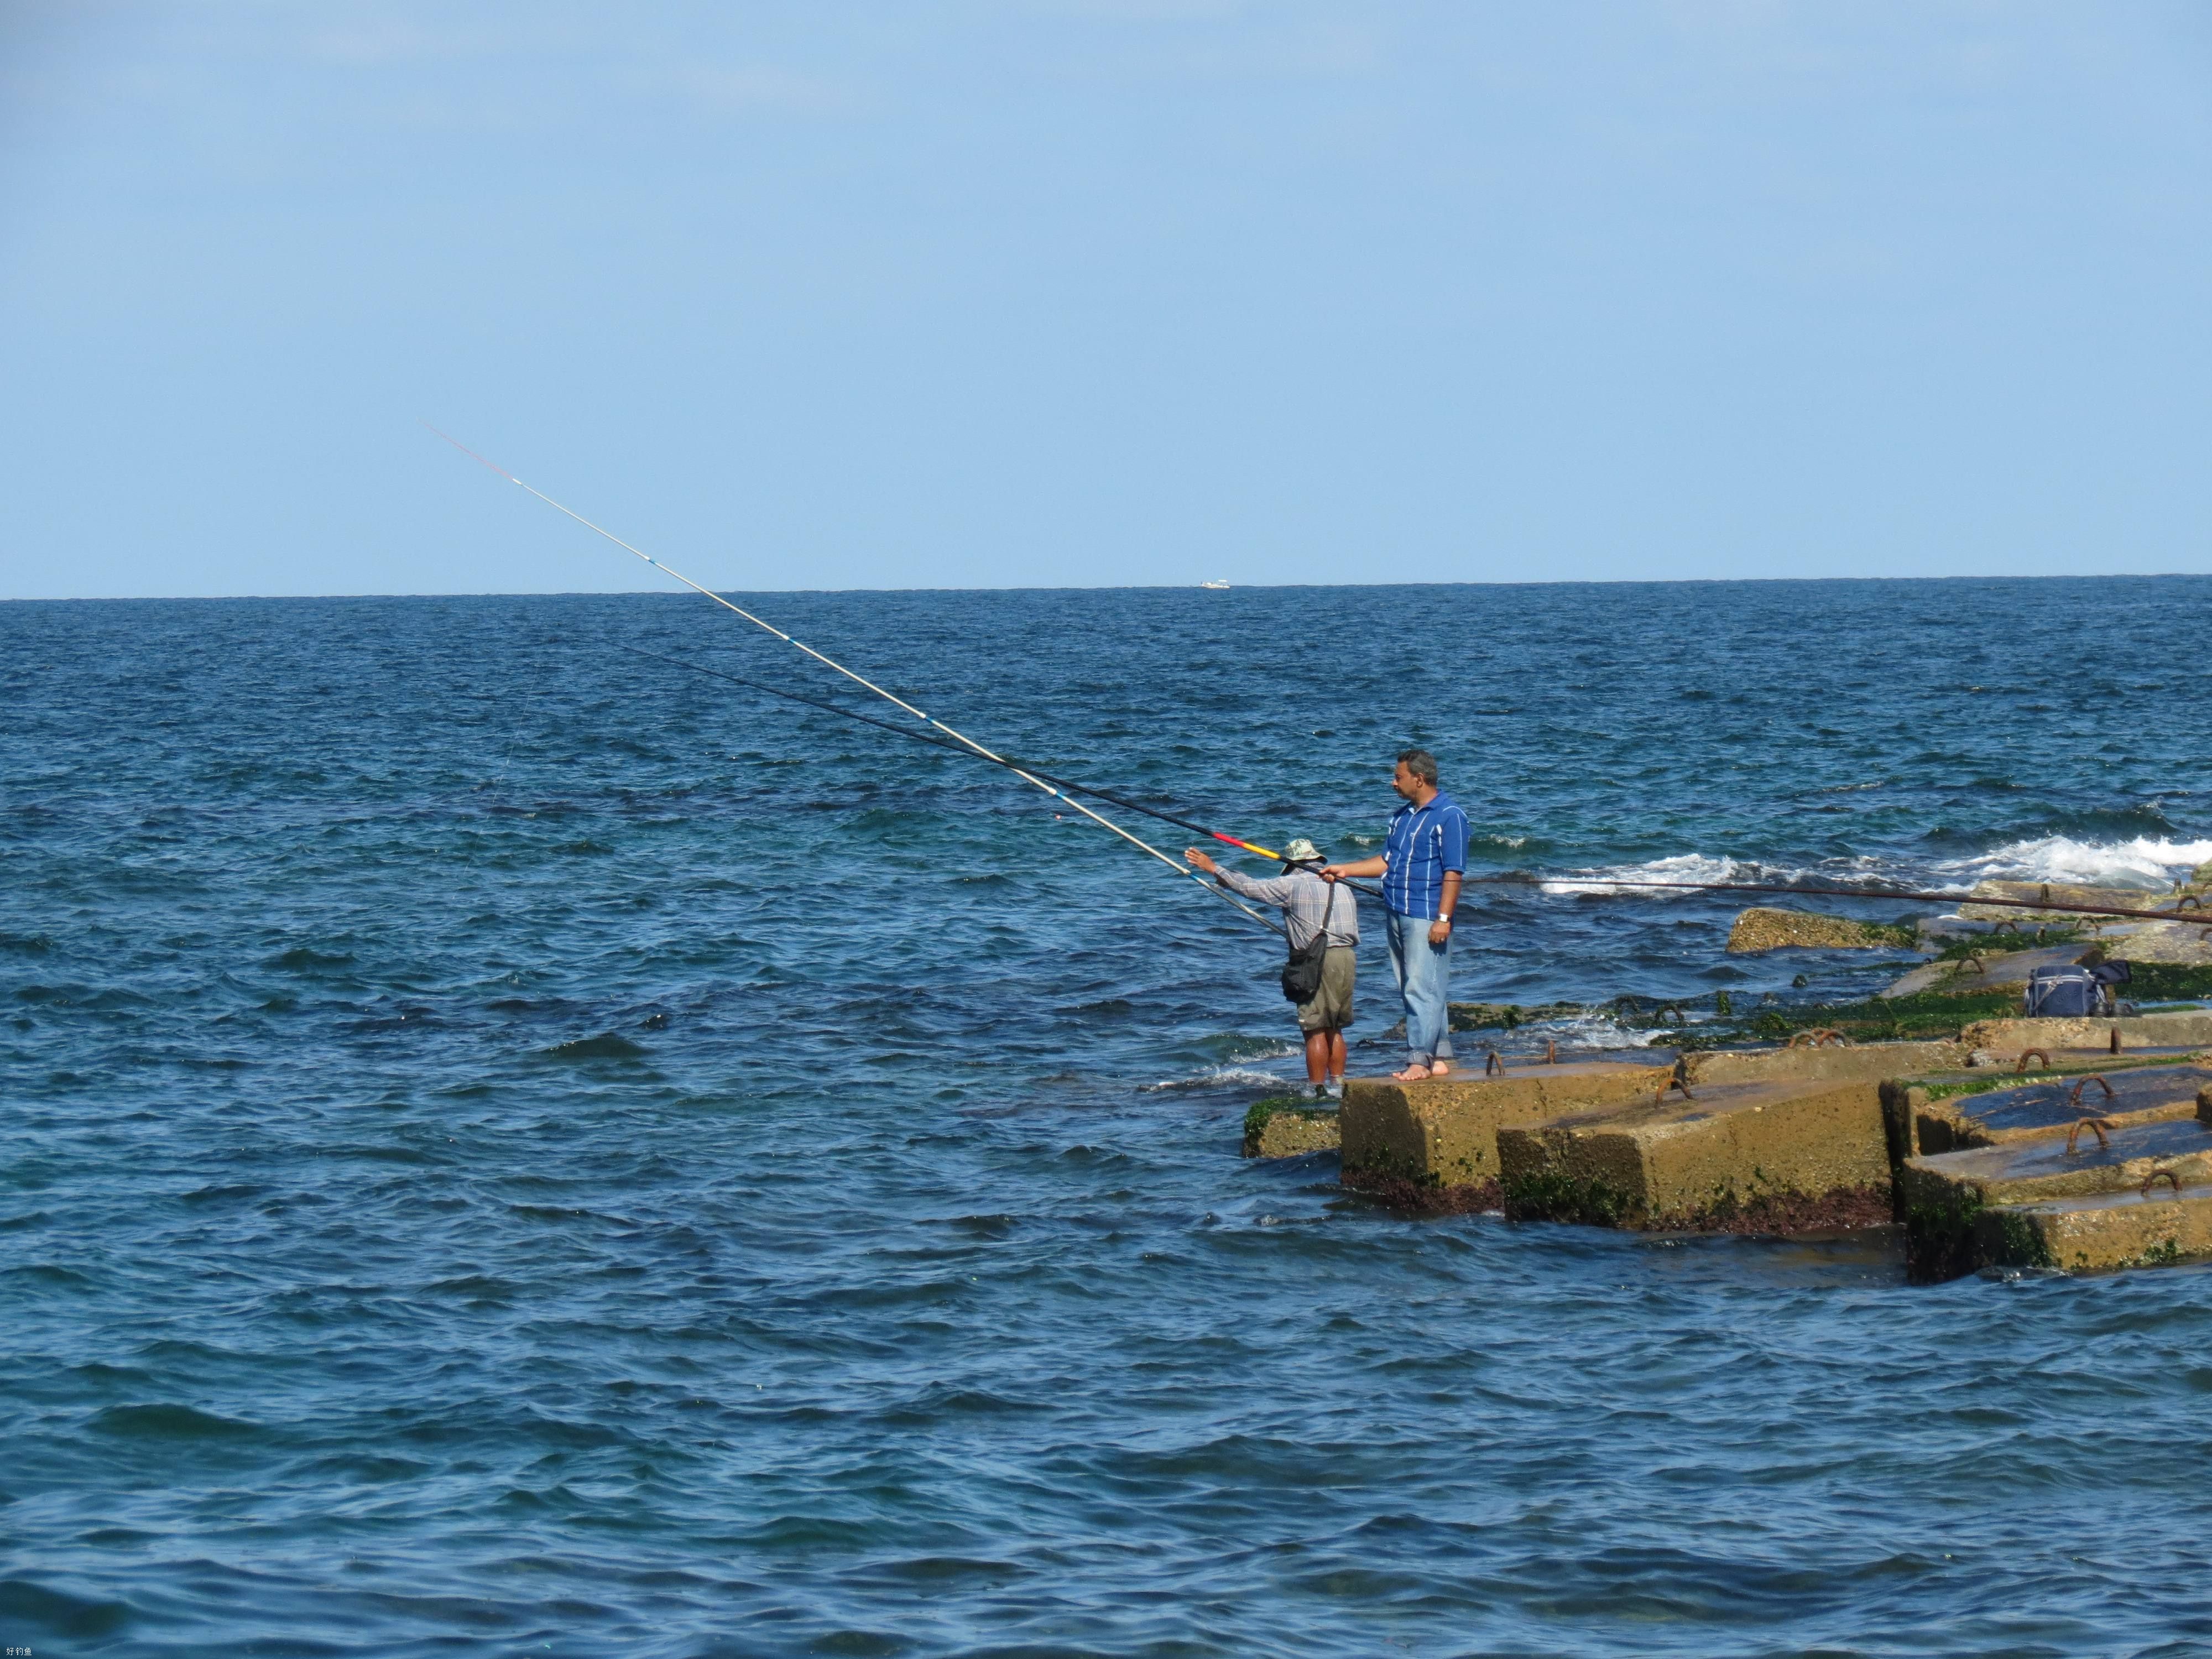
1097,293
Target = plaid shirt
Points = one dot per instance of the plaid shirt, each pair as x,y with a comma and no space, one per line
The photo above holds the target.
1302,896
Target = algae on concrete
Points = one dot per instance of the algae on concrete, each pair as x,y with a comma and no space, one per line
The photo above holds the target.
2152,1227
1878,1019
1772,929
1285,1126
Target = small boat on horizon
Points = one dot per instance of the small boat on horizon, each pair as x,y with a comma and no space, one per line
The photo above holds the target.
1214,584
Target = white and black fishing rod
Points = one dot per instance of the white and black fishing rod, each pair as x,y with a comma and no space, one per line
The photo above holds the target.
960,737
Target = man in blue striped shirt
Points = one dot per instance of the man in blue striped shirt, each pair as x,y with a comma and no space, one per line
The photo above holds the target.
1423,861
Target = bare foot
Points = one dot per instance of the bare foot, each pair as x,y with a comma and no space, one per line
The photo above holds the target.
1438,1068
1410,1074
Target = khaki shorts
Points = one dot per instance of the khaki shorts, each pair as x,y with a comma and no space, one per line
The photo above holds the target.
1330,1008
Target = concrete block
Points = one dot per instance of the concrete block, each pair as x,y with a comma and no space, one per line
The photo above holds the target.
1783,1154
2055,892
2179,943
1833,1062
2008,1037
1940,1195
1442,1132
1275,1129
2005,970
2138,1228
2048,1103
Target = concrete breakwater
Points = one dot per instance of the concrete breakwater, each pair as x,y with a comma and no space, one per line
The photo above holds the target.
2027,1160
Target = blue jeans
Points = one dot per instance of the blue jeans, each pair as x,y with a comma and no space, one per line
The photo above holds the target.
1423,971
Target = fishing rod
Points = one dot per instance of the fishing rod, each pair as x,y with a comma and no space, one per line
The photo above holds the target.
960,737
2201,919
1009,762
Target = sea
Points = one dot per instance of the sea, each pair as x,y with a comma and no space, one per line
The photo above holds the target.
515,1146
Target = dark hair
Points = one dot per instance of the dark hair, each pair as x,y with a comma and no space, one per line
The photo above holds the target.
1420,762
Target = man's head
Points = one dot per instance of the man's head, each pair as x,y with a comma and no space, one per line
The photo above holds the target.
1416,776
1301,852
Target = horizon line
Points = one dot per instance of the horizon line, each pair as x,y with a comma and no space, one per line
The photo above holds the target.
1098,587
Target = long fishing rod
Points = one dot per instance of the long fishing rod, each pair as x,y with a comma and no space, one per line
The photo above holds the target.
2201,918
960,737
1009,762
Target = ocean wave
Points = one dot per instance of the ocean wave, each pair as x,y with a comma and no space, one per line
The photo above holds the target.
1683,866
2146,861
1224,1076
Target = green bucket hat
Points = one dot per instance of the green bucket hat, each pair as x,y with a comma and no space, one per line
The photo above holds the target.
1302,851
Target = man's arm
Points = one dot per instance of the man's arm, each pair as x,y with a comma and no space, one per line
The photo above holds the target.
1454,833
1267,890
1440,929
1374,866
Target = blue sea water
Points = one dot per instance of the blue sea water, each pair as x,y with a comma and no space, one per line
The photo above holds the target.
512,1147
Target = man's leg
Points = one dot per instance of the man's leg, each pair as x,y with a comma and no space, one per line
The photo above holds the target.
1317,1057
1335,1056
1406,937
1428,970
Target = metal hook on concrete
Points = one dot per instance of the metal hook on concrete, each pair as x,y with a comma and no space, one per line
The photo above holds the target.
2174,1179
2095,1078
1551,1052
1677,1081
2027,1054
2096,1126
1493,1067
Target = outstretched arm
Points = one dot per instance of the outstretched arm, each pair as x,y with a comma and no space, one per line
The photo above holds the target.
1374,866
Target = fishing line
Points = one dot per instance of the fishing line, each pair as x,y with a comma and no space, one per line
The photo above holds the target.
960,737
1011,763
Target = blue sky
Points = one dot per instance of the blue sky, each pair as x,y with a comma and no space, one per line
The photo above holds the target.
1101,292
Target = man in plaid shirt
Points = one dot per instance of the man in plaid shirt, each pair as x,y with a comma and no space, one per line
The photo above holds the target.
1304,898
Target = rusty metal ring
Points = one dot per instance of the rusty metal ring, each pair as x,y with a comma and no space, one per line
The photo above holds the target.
2096,1126
2187,900
2096,1077
1493,1067
1973,960
1998,927
1551,1052
2044,1054
2152,1176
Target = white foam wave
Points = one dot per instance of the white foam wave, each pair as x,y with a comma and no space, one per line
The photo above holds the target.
1683,866
1226,1077
2143,862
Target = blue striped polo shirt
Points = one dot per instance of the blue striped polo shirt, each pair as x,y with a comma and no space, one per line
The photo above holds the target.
1423,842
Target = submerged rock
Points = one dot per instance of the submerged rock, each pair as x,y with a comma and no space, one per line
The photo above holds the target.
1761,928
